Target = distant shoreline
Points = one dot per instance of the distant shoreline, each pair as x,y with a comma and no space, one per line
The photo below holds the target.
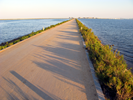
63,18
32,18
101,18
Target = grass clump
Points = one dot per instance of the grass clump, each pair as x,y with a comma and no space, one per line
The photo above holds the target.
24,37
7,44
16,41
110,67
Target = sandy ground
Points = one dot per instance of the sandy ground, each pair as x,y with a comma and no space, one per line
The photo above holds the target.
50,66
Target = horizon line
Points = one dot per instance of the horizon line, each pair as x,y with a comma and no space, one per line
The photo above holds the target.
31,18
63,18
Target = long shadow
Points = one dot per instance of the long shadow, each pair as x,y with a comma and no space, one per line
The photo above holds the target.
70,33
61,59
33,87
17,89
54,55
63,70
58,65
69,37
10,96
59,52
81,89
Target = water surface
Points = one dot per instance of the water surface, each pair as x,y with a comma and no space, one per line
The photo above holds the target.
114,31
11,29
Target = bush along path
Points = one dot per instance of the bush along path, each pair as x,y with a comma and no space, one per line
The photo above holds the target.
14,41
110,67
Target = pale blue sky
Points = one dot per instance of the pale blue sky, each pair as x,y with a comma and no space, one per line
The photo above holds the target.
66,8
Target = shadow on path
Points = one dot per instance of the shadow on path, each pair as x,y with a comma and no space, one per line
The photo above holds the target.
32,87
66,61
17,89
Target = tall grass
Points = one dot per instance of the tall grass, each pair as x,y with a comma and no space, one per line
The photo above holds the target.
6,44
110,67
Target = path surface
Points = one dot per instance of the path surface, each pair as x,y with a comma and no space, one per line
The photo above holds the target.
51,66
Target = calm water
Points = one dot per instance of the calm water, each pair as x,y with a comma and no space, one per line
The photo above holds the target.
114,31
11,29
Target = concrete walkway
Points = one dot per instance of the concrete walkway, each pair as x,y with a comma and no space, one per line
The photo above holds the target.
49,66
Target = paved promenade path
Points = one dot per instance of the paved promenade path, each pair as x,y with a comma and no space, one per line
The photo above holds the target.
49,66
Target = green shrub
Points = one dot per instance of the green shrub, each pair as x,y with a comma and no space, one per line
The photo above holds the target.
9,44
2,47
16,41
5,46
52,26
6,43
39,31
30,35
110,66
23,38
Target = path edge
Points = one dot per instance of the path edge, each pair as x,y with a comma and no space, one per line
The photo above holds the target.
95,79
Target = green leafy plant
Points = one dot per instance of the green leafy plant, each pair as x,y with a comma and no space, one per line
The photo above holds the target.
23,38
16,41
9,44
110,66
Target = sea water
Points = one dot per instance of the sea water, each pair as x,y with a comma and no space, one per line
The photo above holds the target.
117,32
11,29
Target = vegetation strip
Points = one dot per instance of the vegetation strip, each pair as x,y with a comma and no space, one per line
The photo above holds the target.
110,67
95,79
14,41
